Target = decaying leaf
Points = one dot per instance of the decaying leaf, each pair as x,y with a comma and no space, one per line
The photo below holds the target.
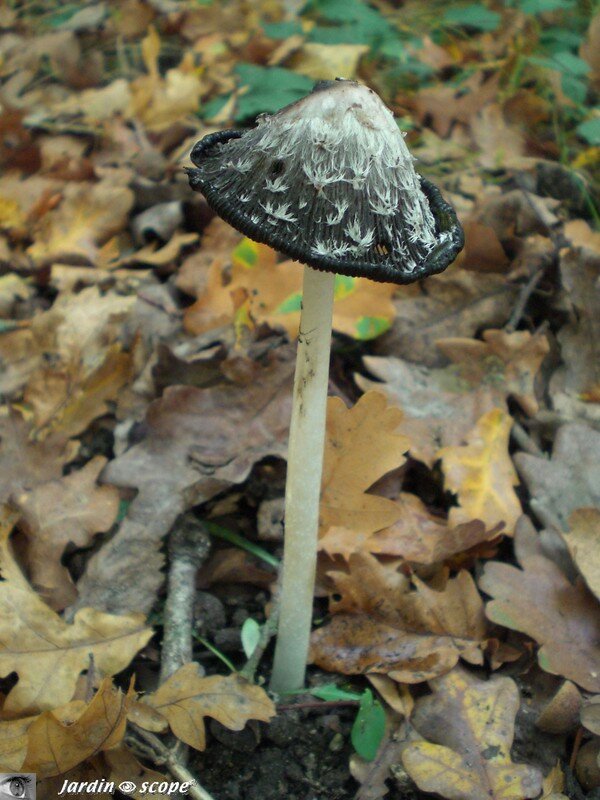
67,510
47,653
56,745
197,443
382,625
443,404
482,475
422,538
186,698
567,481
583,541
539,601
468,725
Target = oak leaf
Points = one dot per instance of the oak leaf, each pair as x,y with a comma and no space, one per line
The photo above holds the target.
55,745
442,405
68,510
482,475
186,698
89,214
469,725
574,468
539,600
46,652
583,541
423,538
195,443
273,293
361,445
380,625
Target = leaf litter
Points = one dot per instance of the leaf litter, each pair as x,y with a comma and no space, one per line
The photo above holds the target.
146,354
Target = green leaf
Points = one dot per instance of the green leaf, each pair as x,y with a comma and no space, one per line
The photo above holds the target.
570,63
268,89
369,726
574,88
329,691
371,327
349,22
474,16
250,635
540,6
281,30
290,304
590,131
558,39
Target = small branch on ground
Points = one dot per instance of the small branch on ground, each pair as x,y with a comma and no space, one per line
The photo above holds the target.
189,545
525,441
150,746
522,300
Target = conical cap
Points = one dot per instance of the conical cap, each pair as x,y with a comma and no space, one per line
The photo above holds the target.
329,181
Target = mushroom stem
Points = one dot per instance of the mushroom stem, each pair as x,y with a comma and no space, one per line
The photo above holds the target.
303,486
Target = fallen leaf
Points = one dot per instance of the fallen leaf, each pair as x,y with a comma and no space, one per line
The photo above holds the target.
422,538
483,251
327,61
442,405
361,445
380,625
88,215
458,302
196,443
583,541
574,469
561,714
469,725
24,463
482,476
55,746
539,600
186,698
501,145
70,509
47,653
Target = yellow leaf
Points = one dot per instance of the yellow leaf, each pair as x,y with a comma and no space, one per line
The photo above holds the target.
46,652
471,759
328,61
583,541
186,698
481,474
361,446
55,746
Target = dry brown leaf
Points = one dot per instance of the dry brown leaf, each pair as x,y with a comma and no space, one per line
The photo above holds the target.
458,302
482,476
561,714
483,251
47,653
469,725
501,145
590,49
56,746
88,215
583,541
68,510
422,538
186,698
197,443
443,405
574,467
539,600
381,625
160,102
361,446
327,61
24,463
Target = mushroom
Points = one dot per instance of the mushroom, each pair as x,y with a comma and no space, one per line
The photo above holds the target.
328,181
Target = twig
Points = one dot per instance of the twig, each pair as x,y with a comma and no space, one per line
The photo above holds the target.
268,630
189,545
524,295
152,747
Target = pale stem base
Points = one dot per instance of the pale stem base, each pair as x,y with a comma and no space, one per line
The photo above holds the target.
303,486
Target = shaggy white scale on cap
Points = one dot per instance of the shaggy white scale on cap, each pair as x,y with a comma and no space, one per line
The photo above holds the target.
328,180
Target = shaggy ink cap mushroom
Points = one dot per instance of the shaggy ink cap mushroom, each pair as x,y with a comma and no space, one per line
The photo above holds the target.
329,181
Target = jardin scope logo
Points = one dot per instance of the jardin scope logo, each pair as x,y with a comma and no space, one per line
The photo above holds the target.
21,785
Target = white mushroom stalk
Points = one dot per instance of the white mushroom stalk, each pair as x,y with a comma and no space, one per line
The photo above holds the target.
330,182
303,484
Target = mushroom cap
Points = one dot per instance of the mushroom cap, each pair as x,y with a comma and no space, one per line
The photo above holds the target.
329,181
